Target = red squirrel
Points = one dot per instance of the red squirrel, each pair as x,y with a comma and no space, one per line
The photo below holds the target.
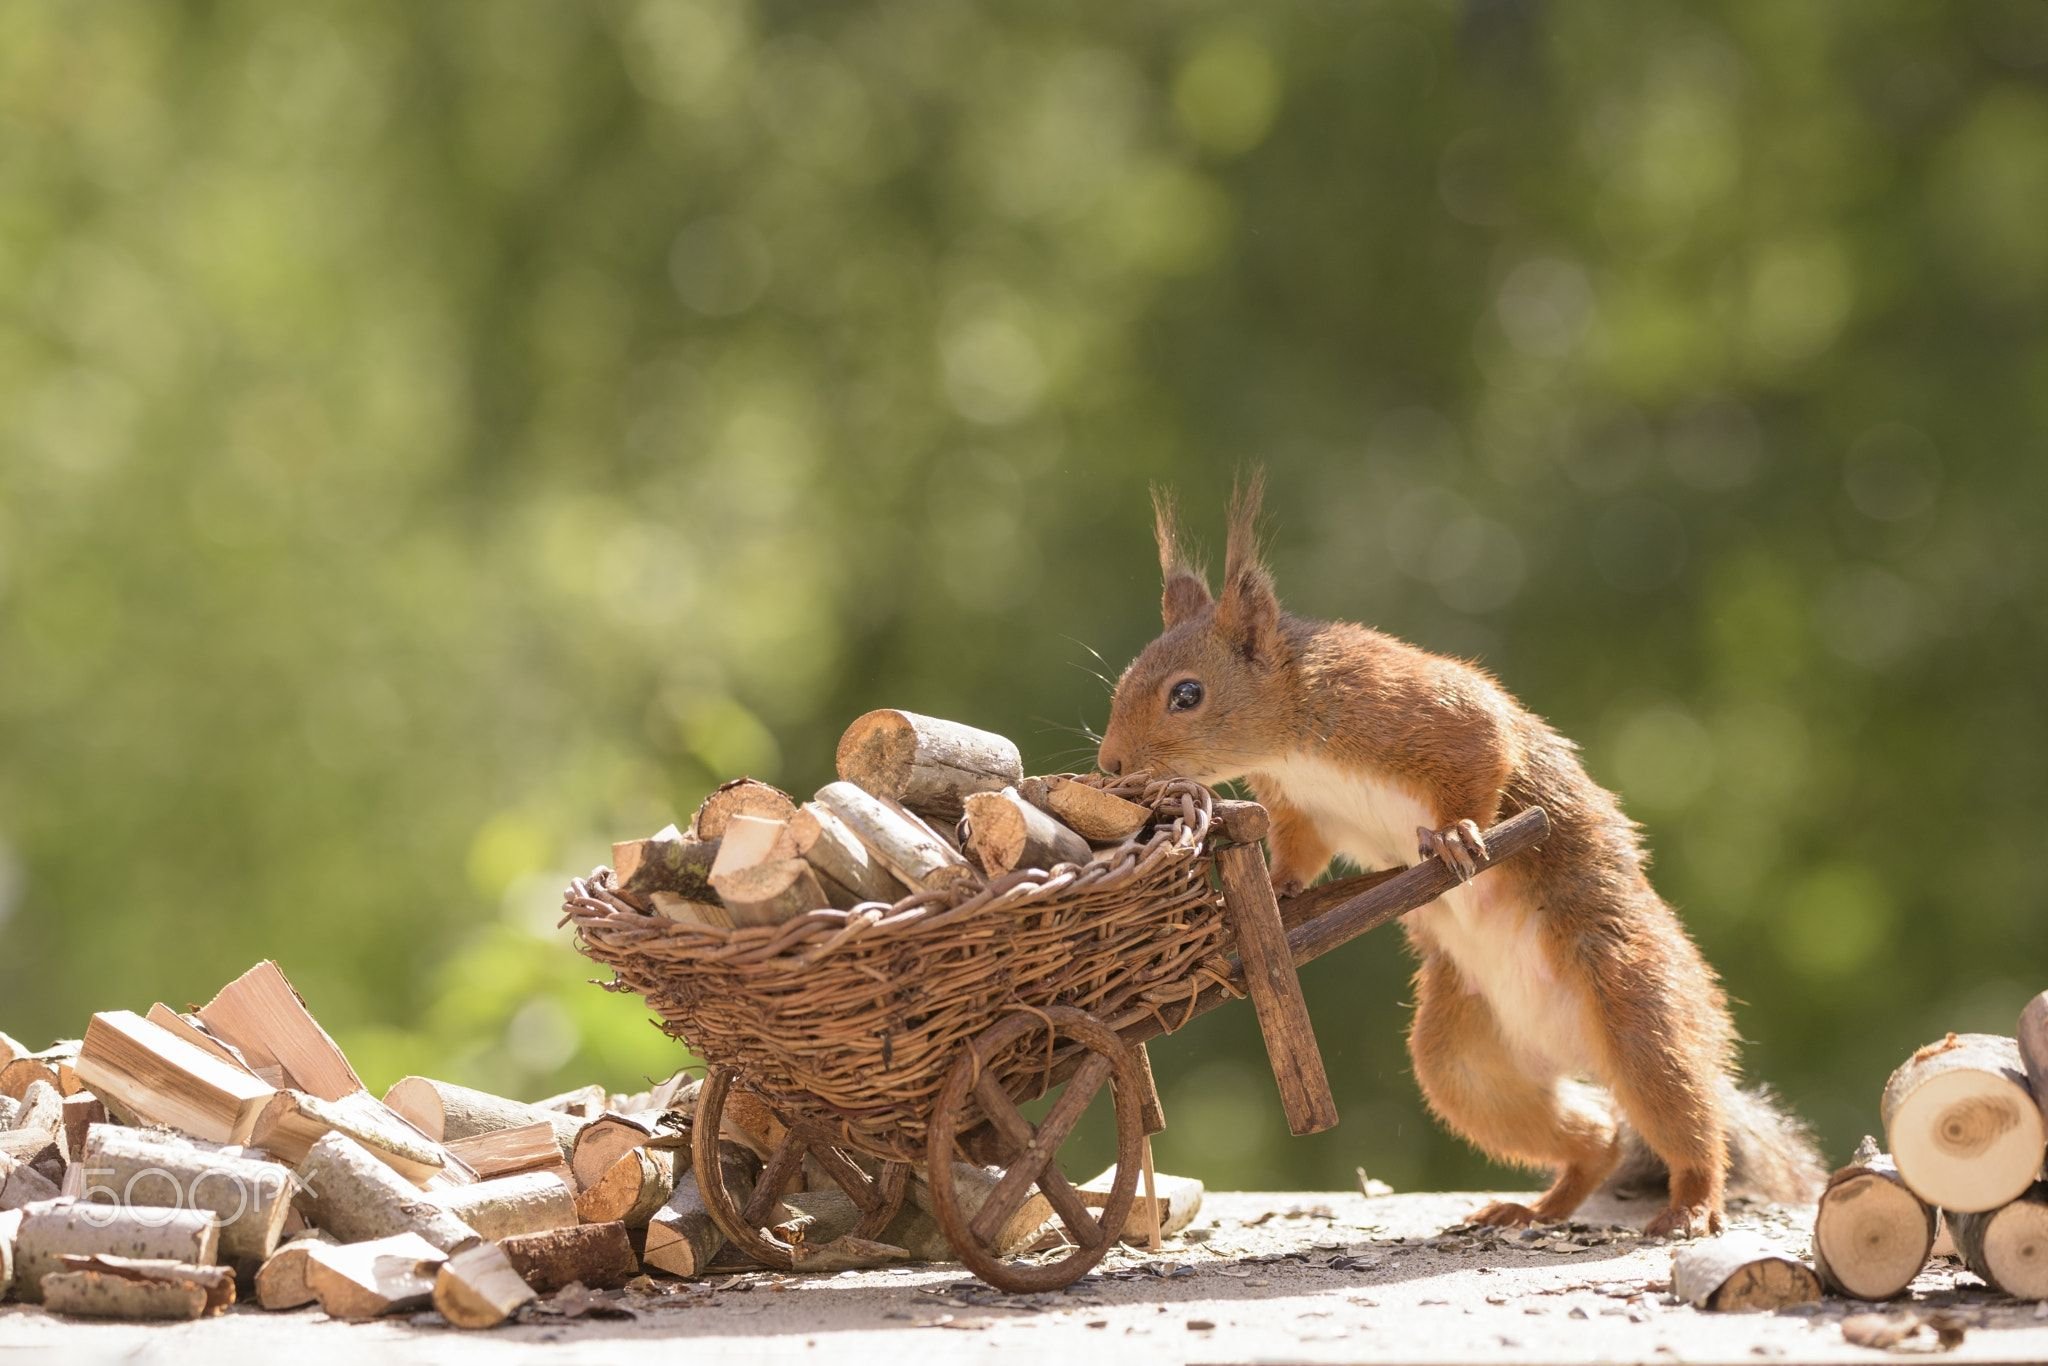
1561,967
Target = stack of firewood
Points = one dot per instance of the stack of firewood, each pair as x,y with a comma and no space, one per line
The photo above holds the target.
167,1162
921,806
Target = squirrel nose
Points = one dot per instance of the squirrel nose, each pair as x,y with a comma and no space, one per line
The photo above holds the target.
1111,766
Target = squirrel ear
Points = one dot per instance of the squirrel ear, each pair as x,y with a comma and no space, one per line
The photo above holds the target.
1187,591
1249,614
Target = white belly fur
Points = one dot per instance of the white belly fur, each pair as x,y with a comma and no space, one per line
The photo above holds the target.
1491,937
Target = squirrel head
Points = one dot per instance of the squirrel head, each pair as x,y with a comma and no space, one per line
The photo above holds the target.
1201,701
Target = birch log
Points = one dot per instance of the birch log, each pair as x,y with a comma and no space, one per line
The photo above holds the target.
670,862
740,797
1737,1271
2033,1045
1962,1124
927,764
442,1111
528,1202
10,1229
281,1282
1003,832
611,1136
49,1231
294,1121
1096,816
480,1288
251,1197
599,1255
1871,1234
634,1187
770,893
682,1238
102,1286
352,1195
911,852
2008,1246
822,840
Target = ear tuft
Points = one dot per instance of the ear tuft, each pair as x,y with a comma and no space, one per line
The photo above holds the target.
1249,611
1187,589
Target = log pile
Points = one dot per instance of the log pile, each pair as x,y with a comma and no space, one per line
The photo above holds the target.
922,806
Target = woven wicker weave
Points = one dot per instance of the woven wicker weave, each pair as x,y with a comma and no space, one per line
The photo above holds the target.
847,1020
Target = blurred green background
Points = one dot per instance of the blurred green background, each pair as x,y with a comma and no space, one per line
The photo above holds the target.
439,439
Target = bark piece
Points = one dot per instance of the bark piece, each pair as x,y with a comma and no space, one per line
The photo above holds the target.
611,1136
442,1111
669,862
908,848
1004,832
825,842
682,1238
928,764
1739,1271
508,1152
131,1167
281,1283
294,1121
740,797
631,1189
1962,1124
2008,1246
598,1255
137,1288
2032,1038
1871,1234
366,1280
479,1288
1096,816
263,1017
149,1075
352,1195
51,1230
1179,1199
529,1202
770,893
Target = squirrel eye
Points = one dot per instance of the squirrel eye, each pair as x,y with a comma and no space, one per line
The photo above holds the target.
1184,695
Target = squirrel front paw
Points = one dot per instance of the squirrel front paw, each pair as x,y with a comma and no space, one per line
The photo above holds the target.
1287,884
1460,846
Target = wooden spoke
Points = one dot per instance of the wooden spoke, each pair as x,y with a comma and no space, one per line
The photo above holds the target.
1096,1054
879,1197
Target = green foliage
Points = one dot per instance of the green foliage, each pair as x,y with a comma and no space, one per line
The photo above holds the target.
437,439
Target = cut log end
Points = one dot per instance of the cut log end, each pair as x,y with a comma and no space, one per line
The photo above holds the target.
1736,1273
1962,1124
929,765
740,797
1871,1234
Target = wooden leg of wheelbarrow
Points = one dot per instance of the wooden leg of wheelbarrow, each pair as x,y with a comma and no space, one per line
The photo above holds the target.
1269,974
1150,1112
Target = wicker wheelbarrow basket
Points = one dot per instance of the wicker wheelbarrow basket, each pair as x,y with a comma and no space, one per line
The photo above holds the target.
886,1036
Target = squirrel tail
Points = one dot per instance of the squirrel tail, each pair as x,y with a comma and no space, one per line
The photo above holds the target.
1771,1152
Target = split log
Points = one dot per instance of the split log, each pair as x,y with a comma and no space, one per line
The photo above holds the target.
10,1110
598,1255
148,1075
1871,1234
669,862
192,1031
479,1288
2033,1045
972,1186
508,1152
1962,1124
17,1076
740,797
1096,816
294,1121
748,840
1003,832
822,840
585,1102
610,1136
40,1114
684,911
81,1112
1739,1271
281,1283
137,1288
352,1195
2008,1246
366,1280
131,1167
911,852
49,1231
770,893
11,1048
682,1238
10,1226
631,1189
928,764
530,1202
261,1016
1178,1198
22,1185
442,1111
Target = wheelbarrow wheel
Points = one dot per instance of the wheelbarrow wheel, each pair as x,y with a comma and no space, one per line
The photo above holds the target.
1030,1153
748,1225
